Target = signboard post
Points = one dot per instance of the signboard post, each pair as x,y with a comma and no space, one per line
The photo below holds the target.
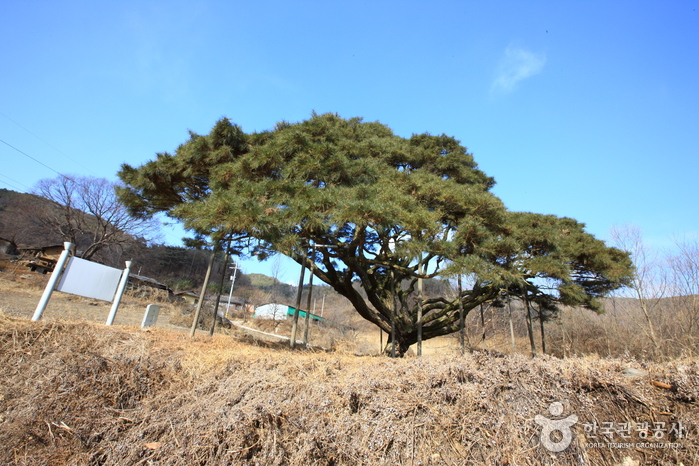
55,275
85,278
119,293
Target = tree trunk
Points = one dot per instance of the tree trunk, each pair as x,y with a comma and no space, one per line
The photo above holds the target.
419,312
563,335
651,328
393,315
401,347
308,309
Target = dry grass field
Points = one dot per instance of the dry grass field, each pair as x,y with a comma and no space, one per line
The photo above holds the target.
76,392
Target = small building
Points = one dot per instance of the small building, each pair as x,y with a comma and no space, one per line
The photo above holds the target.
271,311
137,281
190,297
278,311
236,305
41,260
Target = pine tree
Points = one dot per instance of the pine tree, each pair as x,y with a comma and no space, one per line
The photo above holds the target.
392,210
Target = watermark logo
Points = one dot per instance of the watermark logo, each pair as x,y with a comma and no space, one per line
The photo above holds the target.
550,426
557,435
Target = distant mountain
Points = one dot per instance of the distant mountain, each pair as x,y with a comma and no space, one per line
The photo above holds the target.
263,281
277,290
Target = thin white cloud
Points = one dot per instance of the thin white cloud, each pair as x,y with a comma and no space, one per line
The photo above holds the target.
517,64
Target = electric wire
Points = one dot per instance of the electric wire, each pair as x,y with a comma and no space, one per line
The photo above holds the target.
14,181
27,155
48,144
10,185
168,234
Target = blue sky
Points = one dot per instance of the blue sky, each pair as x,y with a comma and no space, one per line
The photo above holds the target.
582,109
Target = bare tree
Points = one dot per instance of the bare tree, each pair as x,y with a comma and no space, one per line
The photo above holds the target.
649,285
684,267
86,212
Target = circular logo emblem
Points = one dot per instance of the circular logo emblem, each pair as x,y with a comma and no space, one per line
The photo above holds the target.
549,426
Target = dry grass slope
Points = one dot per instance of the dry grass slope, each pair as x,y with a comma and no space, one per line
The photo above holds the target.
84,394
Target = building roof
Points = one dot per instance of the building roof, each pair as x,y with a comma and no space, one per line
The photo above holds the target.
148,281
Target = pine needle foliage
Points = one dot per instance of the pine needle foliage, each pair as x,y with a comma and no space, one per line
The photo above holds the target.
385,210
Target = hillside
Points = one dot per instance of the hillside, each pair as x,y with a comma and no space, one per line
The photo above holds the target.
18,222
80,393
180,268
273,288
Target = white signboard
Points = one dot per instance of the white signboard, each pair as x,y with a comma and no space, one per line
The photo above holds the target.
89,279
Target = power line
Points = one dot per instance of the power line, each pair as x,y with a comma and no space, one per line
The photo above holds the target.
14,181
10,185
27,155
48,144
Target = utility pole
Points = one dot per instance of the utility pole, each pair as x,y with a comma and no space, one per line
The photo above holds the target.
230,295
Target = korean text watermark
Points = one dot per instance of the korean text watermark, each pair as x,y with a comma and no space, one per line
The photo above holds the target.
556,433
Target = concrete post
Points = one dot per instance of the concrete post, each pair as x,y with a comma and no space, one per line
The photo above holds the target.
119,293
55,275
151,315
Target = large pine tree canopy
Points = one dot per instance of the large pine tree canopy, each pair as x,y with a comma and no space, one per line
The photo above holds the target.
392,210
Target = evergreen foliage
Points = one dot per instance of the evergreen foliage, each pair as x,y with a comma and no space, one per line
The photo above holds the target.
392,209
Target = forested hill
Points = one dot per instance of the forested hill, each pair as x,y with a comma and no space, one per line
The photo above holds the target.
181,268
18,219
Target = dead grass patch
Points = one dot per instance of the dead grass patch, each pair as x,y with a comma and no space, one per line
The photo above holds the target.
85,394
